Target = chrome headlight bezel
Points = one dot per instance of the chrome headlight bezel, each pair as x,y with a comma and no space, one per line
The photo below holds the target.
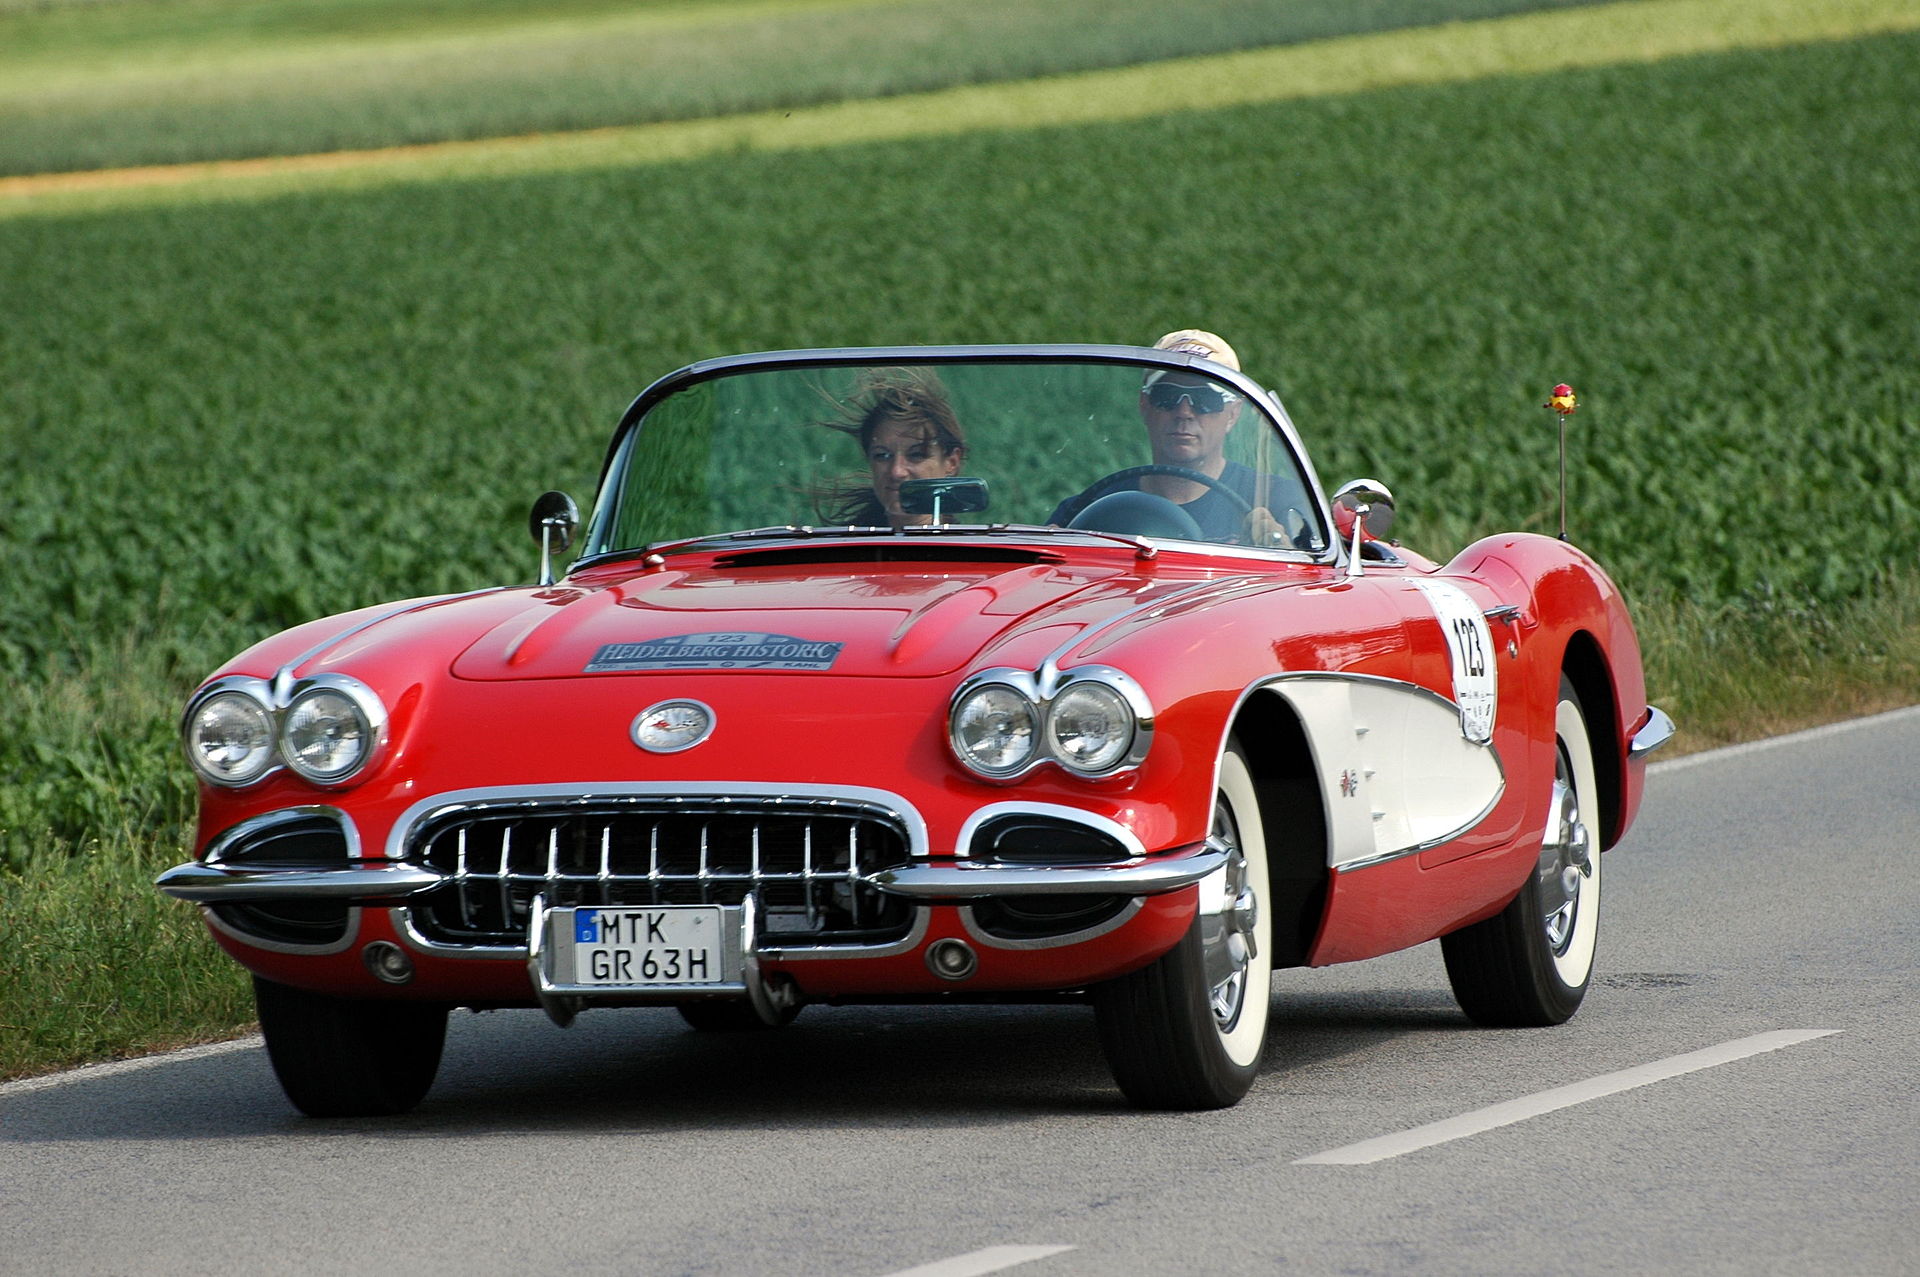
1073,709
276,700
253,692
1042,692
976,690
369,717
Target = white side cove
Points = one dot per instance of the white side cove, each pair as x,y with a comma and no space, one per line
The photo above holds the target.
1397,772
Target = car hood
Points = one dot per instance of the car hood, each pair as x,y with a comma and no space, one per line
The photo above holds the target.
898,619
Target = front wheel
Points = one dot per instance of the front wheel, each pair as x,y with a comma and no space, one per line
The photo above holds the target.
1187,1031
1530,964
346,1057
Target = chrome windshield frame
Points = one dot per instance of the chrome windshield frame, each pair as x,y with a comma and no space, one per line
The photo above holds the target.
1267,402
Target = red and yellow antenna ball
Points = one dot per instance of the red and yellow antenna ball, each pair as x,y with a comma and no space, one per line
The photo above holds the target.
1563,401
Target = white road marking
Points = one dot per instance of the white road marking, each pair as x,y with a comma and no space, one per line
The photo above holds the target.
1497,1115
990,1260
114,1068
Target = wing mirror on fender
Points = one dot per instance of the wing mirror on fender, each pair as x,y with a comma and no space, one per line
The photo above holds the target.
552,523
1369,507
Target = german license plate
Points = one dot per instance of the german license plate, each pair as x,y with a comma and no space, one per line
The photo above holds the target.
644,945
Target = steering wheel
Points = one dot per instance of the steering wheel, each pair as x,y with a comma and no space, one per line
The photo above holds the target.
1120,479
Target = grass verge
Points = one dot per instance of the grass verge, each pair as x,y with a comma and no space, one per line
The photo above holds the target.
98,965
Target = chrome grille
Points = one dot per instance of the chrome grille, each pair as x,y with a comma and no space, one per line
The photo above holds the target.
808,861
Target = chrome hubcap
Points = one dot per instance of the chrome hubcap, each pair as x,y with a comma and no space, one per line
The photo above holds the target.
1229,937
1565,864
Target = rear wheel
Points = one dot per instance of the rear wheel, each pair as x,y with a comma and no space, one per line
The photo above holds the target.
345,1057
1530,964
1187,1031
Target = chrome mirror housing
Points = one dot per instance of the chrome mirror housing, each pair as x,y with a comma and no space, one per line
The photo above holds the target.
1371,504
554,519
1370,499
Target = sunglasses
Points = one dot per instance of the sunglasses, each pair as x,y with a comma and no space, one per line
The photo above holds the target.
1204,399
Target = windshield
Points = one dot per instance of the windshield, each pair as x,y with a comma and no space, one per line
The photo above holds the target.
1104,446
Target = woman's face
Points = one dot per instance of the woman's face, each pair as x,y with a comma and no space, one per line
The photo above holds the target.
903,450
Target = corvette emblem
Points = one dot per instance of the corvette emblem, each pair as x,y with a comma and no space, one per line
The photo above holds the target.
671,726
1349,783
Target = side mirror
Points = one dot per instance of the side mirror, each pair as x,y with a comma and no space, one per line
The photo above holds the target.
1370,500
553,521
1371,506
940,498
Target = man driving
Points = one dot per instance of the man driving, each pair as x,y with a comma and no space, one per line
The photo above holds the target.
1188,416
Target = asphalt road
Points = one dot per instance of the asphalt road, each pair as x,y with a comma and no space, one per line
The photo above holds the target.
1766,889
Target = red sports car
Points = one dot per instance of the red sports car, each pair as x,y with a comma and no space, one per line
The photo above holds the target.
911,675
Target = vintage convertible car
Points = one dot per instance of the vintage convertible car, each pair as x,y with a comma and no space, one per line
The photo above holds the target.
922,675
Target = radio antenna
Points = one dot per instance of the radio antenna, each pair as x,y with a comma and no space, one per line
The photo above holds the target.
1564,404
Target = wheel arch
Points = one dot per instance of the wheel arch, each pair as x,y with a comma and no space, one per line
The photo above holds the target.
1274,741
1585,666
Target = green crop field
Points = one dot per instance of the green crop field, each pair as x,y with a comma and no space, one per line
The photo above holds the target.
95,85
223,418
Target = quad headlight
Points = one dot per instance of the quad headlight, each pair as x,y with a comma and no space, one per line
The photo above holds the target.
326,728
1094,721
1090,726
229,737
994,728
327,733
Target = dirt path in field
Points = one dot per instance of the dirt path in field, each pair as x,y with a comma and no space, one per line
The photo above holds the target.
1529,44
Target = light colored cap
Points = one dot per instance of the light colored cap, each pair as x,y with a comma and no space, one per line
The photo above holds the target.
1196,341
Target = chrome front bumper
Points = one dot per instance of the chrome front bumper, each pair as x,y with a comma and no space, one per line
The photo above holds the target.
367,881
384,881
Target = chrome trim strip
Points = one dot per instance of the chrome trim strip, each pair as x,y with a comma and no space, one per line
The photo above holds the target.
1658,731
387,614
967,880
347,940
224,841
219,884
1111,828
987,939
1402,686
1398,684
1050,667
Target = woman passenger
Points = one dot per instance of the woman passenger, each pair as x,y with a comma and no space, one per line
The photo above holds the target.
907,430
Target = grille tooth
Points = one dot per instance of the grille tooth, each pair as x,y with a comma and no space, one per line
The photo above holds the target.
809,862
